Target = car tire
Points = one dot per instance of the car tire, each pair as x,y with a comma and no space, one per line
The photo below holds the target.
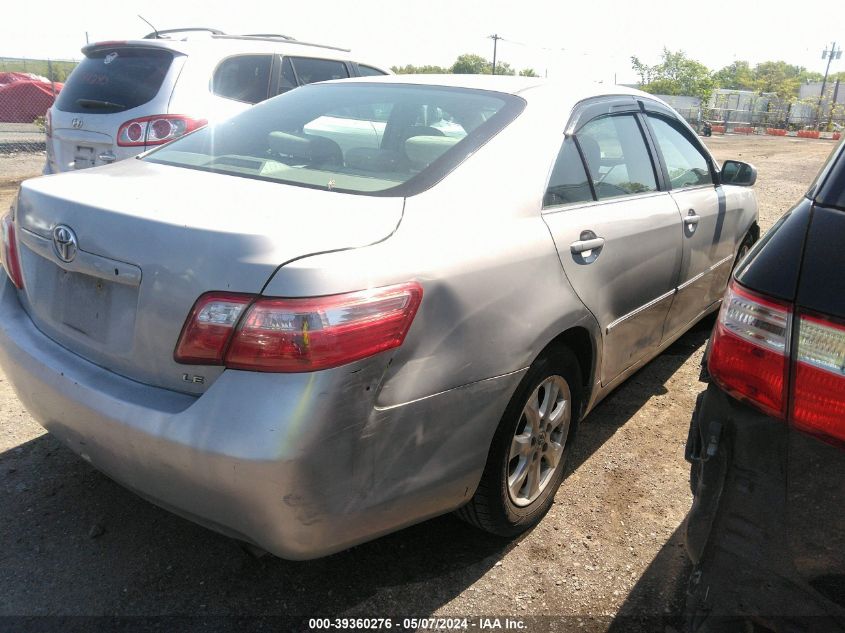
744,246
527,457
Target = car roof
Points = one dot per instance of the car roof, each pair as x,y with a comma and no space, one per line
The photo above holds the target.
527,87
225,44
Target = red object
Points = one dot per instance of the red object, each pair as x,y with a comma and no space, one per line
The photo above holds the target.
771,131
24,101
748,349
836,136
209,327
743,130
156,130
818,389
296,335
808,133
9,252
750,360
717,129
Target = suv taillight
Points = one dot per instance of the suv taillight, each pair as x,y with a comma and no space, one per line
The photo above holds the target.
156,130
296,335
9,251
818,387
749,348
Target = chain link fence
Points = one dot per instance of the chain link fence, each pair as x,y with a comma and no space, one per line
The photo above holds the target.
28,88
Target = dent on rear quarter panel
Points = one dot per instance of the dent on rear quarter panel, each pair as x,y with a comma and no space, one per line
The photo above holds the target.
494,290
490,303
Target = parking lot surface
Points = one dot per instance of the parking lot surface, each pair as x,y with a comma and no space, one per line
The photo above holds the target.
72,542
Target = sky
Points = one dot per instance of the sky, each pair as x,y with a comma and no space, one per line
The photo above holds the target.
584,41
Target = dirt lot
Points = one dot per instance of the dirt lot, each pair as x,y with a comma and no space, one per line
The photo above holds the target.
74,543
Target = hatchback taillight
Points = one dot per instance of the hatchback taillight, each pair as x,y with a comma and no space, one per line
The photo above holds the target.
818,387
296,335
157,129
9,251
748,352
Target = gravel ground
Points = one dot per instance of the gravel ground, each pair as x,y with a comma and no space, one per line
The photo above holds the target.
75,543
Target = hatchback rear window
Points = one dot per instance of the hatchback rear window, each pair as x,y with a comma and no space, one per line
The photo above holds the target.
115,79
376,139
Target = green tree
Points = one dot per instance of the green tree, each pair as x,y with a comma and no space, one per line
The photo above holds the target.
471,64
735,76
676,74
782,78
528,72
428,69
502,68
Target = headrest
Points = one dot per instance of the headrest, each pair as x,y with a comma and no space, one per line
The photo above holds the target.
424,150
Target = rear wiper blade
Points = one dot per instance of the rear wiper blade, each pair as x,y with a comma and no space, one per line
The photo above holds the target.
97,103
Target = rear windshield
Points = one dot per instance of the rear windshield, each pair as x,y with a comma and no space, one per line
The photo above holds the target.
368,138
115,79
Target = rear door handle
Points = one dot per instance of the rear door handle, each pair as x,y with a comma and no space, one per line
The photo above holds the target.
692,217
586,245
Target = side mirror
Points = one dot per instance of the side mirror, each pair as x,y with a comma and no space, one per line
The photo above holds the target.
735,172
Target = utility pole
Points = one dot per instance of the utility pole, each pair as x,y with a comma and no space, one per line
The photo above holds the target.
830,55
495,37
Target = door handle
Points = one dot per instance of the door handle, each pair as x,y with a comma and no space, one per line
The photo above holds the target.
586,245
692,217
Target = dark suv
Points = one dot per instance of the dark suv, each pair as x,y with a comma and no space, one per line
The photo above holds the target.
766,531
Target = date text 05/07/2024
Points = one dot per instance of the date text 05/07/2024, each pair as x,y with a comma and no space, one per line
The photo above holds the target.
417,624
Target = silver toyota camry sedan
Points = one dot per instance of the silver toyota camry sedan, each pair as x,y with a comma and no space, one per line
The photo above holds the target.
365,303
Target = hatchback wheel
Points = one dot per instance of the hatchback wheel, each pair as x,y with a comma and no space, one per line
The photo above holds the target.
526,461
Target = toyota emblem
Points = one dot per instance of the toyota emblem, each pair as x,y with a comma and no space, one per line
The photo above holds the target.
64,243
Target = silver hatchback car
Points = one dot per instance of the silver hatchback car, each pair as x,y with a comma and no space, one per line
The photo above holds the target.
365,303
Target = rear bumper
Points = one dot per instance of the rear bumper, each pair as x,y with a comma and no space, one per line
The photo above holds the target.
737,531
302,465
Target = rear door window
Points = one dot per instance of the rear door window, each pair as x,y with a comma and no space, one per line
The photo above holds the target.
617,157
369,71
243,78
568,182
115,79
288,79
310,70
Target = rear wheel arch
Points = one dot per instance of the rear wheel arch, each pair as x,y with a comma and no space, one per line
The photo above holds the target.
582,344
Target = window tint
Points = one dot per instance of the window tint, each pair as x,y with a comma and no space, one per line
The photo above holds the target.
686,165
569,179
311,70
113,80
369,71
288,81
243,78
617,157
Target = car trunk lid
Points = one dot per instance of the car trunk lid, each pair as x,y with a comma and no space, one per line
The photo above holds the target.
150,239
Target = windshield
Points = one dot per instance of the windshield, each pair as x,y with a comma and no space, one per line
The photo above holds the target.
115,79
376,139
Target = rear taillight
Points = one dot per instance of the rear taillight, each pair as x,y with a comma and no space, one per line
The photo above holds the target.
155,130
748,351
818,387
209,327
10,254
297,335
